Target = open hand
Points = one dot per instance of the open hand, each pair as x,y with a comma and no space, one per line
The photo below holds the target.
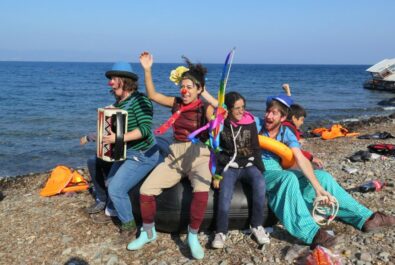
146,60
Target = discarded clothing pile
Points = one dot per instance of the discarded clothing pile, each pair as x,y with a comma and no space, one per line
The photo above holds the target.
334,132
361,156
375,151
377,135
382,149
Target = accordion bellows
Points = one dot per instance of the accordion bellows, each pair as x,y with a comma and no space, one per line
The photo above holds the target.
115,120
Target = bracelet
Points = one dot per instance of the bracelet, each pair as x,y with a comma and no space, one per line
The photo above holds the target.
217,177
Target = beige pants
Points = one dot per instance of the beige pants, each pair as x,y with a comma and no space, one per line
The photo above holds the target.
185,159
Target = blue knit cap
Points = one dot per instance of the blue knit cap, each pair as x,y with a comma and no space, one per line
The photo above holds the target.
122,69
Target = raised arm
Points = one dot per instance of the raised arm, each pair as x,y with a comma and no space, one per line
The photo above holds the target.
287,89
209,98
146,61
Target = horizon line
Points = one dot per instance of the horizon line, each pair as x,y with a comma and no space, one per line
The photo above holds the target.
51,61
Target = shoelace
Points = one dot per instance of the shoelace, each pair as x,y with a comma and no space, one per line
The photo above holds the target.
261,231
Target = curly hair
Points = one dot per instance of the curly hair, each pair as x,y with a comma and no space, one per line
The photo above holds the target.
196,73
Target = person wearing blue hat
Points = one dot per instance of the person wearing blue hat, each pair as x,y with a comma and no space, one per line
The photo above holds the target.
142,151
291,193
122,70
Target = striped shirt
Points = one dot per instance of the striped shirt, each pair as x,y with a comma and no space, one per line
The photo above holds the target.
140,113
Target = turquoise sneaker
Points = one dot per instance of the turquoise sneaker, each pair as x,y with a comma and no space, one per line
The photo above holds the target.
196,250
142,239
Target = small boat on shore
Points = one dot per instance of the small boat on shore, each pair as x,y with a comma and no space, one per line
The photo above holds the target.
383,76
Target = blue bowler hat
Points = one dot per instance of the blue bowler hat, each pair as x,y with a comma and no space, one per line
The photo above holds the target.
122,69
283,99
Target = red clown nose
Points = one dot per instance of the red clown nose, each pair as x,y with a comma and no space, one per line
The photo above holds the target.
184,91
110,83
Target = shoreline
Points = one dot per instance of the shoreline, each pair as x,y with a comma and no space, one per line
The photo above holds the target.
55,230
351,125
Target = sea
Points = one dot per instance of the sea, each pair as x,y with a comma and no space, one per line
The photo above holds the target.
46,107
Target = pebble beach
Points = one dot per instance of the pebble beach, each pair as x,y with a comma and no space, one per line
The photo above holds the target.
56,230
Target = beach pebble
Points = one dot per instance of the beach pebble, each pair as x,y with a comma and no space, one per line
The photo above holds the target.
364,256
152,262
112,260
66,252
384,256
66,239
346,253
293,252
350,170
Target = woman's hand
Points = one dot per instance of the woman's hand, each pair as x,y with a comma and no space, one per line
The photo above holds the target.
226,114
83,140
146,60
109,139
317,162
329,199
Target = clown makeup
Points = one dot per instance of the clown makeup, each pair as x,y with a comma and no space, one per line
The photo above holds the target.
189,91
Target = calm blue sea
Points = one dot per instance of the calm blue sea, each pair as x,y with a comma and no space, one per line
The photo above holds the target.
46,107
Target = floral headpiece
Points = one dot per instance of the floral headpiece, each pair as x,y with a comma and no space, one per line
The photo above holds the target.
176,74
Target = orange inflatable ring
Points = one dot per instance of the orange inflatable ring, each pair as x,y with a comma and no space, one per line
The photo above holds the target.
278,148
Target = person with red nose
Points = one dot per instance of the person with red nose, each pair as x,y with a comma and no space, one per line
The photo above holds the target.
185,159
291,192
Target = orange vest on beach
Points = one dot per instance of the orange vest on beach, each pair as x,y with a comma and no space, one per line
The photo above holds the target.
63,180
334,132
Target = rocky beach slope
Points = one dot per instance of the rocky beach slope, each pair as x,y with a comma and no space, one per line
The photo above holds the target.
55,230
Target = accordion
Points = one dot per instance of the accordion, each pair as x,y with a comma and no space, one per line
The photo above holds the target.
115,120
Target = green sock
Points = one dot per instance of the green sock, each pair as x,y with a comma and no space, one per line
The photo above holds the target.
129,225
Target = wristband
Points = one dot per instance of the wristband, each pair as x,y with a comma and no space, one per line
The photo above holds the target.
217,177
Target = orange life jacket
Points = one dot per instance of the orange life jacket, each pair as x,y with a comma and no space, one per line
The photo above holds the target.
63,180
334,132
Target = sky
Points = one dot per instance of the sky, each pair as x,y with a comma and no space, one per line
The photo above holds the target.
263,32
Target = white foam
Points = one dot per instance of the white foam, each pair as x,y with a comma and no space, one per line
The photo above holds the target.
350,119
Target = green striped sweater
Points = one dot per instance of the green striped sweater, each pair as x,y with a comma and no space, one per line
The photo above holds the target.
140,113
